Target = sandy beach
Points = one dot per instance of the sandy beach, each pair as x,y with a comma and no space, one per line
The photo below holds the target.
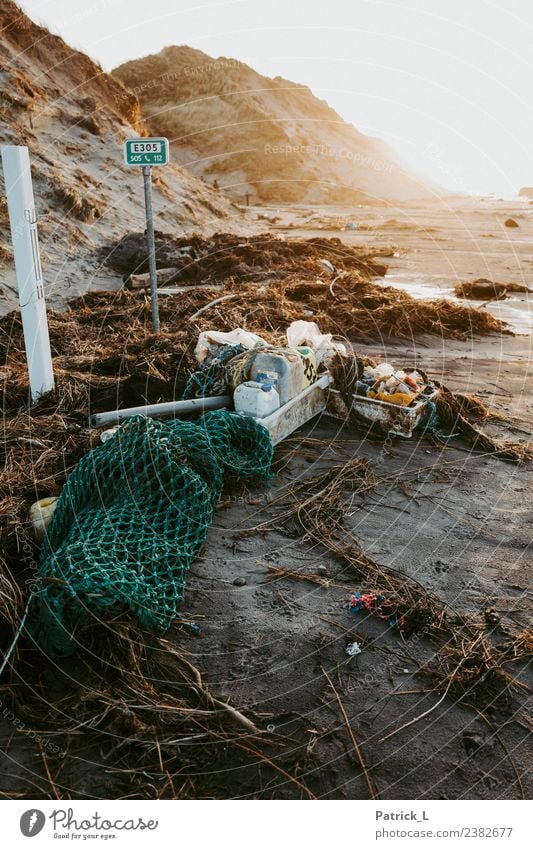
270,611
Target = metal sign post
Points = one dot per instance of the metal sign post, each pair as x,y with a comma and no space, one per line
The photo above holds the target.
145,153
150,238
23,222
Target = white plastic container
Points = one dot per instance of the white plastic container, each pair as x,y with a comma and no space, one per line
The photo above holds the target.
284,371
256,399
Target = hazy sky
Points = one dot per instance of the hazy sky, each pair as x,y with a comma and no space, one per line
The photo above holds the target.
448,83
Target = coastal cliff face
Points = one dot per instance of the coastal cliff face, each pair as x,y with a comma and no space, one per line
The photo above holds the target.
271,138
74,117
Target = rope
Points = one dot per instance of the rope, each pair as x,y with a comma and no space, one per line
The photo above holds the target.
18,632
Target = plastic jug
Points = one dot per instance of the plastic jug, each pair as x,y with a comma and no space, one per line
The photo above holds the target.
284,370
256,399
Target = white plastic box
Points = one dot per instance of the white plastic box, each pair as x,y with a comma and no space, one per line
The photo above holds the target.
400,421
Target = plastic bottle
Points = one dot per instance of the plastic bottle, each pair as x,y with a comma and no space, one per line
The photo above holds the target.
256,399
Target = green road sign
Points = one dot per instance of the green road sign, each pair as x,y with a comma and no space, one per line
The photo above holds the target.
146,152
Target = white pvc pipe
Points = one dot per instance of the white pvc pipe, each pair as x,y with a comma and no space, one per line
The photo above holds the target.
23,222
192,405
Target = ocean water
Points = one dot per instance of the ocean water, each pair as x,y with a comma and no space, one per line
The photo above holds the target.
516,309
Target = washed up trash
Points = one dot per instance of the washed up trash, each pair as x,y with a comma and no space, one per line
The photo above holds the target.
377,605
395,400
307,333
225,365
210,342
219,374
328,265
109,433
353,649
351,225
132,516
257,399
289,370
384,383
400,612
435,411
40,515
383,370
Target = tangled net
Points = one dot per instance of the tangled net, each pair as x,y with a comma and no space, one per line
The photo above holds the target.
132,516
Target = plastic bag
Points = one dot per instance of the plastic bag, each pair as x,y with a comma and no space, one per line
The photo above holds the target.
210,340
307,334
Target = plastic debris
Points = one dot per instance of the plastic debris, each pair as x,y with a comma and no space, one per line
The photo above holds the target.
256,399
394,386
211,341
307,333
147,497
109,433
40,515
353,649
377,605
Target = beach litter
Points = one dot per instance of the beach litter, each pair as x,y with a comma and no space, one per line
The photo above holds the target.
378,605
424,405
40,515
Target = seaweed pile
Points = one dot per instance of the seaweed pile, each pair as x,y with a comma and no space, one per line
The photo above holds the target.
487,290
275,281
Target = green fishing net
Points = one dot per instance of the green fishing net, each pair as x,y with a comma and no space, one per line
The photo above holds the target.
132,516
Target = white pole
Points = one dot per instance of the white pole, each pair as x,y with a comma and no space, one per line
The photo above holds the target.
167,408
23,221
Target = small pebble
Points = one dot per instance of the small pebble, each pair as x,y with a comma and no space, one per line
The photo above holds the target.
239,582
322,570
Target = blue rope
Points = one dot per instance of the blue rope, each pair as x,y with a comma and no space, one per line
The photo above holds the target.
201,382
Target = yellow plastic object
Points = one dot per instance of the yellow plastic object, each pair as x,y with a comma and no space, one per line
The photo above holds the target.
402,399
309,362
41,515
